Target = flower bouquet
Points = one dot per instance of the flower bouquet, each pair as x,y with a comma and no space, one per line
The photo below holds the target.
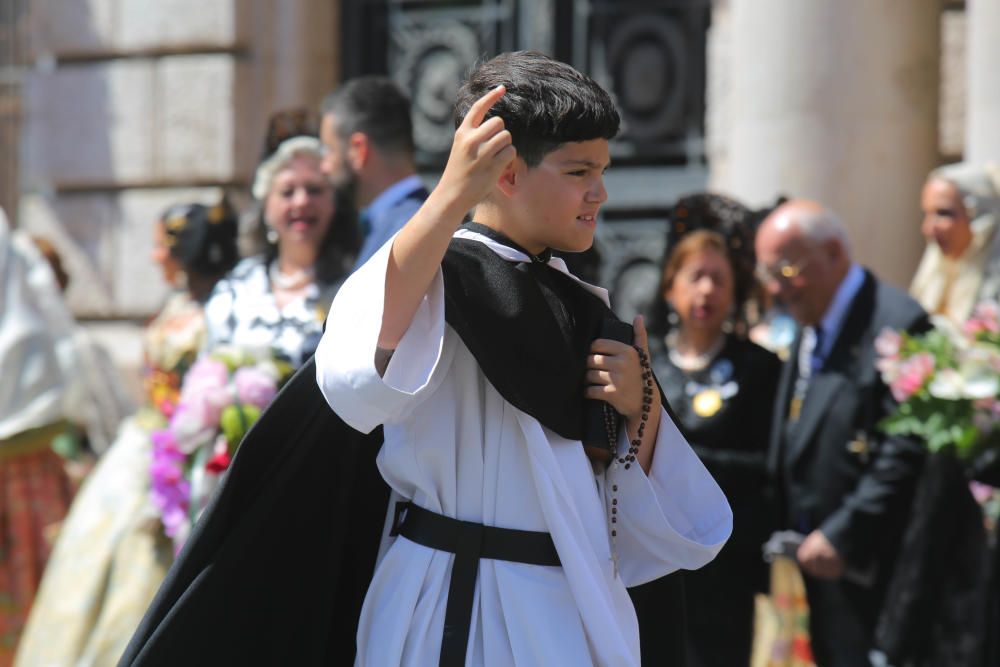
221,397
947,382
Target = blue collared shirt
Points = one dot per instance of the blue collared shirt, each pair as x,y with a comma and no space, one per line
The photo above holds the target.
836,313
382,226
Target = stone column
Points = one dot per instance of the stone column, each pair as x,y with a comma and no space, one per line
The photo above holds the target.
982,132
836,101
293,61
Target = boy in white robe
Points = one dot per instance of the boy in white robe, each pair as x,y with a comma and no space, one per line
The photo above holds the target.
529,156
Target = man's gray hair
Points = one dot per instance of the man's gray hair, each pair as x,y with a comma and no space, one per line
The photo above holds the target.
822,225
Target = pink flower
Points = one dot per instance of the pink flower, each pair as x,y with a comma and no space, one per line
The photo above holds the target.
887,343
254,386
193,424
213,401
167,408
205,375
169,490
985,319
913,373
983,493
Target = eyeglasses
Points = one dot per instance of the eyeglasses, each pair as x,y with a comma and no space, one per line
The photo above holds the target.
783,271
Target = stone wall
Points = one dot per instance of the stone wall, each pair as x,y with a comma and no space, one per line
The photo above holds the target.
134,105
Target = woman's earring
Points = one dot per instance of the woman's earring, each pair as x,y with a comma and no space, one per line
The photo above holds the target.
729,324
673,319
272,235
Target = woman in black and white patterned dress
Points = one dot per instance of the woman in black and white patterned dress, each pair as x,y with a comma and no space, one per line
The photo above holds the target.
278,300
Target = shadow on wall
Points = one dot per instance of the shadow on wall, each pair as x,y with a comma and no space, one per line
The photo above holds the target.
67,150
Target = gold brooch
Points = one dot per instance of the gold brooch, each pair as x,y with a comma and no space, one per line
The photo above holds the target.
707,402
216,214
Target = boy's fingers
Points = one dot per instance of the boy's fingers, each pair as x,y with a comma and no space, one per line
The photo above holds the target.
496,144
598,377
477,112
608,346
489,129
506,154
600,392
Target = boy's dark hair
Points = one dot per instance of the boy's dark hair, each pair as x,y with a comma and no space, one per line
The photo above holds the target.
375,106
547,103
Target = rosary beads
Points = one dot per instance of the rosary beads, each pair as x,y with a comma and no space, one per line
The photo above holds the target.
627,459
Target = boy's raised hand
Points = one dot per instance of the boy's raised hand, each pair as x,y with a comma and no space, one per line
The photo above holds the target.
480,152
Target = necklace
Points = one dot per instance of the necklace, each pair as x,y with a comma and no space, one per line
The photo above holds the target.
285,281
692,362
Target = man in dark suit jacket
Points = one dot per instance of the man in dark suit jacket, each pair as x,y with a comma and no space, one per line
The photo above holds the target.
841,482
368,134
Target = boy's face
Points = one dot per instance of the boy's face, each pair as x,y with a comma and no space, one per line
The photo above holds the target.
561,196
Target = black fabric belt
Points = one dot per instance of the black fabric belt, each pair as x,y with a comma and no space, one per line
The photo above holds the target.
469,542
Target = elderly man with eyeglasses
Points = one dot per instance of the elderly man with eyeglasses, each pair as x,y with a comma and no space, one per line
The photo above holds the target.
842,484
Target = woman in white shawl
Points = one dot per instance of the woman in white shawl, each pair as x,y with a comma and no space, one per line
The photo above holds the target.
961,265
34,489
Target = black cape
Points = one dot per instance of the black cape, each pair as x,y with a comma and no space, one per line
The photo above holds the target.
277,567
935,609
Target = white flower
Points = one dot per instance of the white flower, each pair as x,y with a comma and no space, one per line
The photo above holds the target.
972,381
951,331
947,385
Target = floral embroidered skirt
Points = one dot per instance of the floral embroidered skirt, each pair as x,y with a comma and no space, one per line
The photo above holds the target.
108,562
34,496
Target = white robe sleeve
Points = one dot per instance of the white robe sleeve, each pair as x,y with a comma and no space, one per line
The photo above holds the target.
675,518
345,358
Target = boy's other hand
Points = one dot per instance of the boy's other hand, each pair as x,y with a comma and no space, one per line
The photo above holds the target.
614,374
479,154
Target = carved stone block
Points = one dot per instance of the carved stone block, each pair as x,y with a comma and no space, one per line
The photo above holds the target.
176,22
90,123
195,120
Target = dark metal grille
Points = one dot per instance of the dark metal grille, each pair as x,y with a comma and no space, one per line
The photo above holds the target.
651,54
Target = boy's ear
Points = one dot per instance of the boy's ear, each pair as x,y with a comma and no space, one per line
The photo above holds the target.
510,178
358,150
